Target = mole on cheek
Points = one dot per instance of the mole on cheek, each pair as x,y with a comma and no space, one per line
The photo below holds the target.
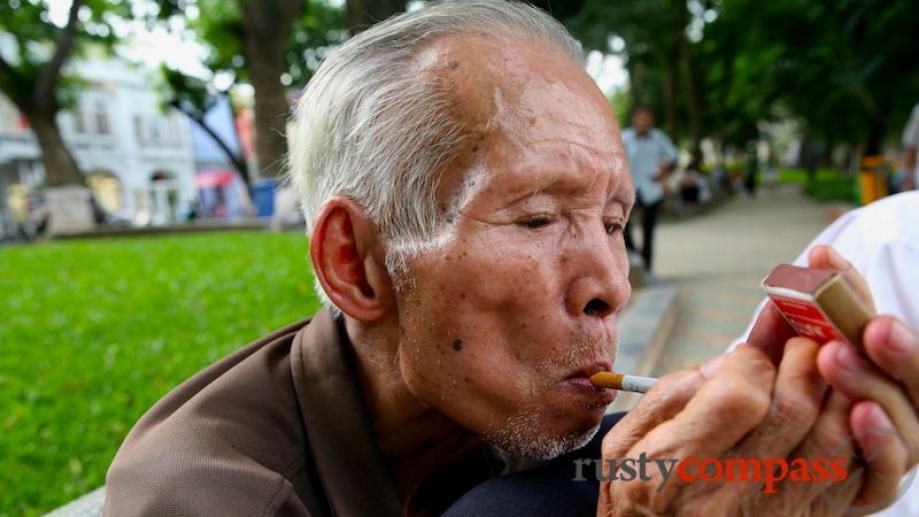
457,344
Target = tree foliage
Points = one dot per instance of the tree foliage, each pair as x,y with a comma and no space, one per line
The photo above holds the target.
220,27
194,98
269,44
848,69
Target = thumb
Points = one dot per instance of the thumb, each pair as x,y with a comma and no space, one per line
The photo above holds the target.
825,257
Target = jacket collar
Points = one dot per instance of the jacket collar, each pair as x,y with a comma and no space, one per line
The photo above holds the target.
350,466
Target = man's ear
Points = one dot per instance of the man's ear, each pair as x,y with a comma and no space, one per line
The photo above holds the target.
348,260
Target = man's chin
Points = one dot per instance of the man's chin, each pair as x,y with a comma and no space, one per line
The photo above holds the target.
523,437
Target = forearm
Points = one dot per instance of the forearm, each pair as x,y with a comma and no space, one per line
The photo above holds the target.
664,170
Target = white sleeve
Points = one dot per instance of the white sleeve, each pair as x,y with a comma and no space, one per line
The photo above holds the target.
668,152
893,275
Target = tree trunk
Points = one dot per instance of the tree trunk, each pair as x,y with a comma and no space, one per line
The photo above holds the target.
875,136
271,113
267,26
669,93
34,93
60,167
670,66
70,209
239,162
694,102
636,83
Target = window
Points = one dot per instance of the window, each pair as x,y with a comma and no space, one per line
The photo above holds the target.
79,121
139,129
102,124
155,129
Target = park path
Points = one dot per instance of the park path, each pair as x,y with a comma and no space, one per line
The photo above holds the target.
718,259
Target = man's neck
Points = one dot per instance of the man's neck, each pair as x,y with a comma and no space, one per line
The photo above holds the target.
415,439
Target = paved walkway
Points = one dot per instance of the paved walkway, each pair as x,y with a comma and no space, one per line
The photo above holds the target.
718,260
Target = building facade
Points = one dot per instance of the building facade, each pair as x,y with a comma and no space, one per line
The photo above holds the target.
137,158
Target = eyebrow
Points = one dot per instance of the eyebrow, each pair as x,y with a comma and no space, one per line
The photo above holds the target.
622,196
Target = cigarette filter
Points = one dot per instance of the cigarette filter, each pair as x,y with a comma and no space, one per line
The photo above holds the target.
622,381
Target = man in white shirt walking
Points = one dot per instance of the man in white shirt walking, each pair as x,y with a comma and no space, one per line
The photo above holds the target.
652,156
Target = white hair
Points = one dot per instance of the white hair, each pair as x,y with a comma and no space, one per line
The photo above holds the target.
368,128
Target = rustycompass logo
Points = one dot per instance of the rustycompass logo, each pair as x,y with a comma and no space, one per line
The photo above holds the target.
771,473
767,471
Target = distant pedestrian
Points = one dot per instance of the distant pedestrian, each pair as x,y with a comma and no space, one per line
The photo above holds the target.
652,157
910,146
751,180
694,189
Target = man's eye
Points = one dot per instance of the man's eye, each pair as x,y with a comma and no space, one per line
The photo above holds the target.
533,223
613,228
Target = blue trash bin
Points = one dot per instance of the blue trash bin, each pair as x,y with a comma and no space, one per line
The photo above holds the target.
263,197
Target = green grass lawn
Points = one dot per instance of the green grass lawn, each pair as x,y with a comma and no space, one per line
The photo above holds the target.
93,332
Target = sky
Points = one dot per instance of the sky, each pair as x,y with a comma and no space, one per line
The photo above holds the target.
161,45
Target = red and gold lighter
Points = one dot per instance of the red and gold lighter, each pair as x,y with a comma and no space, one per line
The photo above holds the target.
819,304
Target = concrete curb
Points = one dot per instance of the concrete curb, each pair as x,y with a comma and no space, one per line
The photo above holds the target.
644,328
89,505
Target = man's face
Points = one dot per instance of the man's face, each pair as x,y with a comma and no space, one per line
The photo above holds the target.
515,305
642,120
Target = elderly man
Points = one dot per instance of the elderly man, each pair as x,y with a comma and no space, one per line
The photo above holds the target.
465,192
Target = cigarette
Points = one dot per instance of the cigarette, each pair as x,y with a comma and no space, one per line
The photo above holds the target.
622,381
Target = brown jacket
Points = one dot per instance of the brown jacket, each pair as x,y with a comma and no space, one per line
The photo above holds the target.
277,428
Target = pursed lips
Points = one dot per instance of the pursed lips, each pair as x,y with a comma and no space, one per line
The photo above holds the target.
589,369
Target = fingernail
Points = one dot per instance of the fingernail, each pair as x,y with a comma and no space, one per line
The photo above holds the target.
879,417
836,260
902,341
710,367
879,425
847,359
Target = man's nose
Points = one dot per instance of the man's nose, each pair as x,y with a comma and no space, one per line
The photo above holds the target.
600,283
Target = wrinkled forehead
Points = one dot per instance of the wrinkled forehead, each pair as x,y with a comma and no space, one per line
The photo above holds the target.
511,96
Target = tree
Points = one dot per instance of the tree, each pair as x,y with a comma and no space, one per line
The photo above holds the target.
270,44
663,64
34,79
266,39
192,97
848,70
